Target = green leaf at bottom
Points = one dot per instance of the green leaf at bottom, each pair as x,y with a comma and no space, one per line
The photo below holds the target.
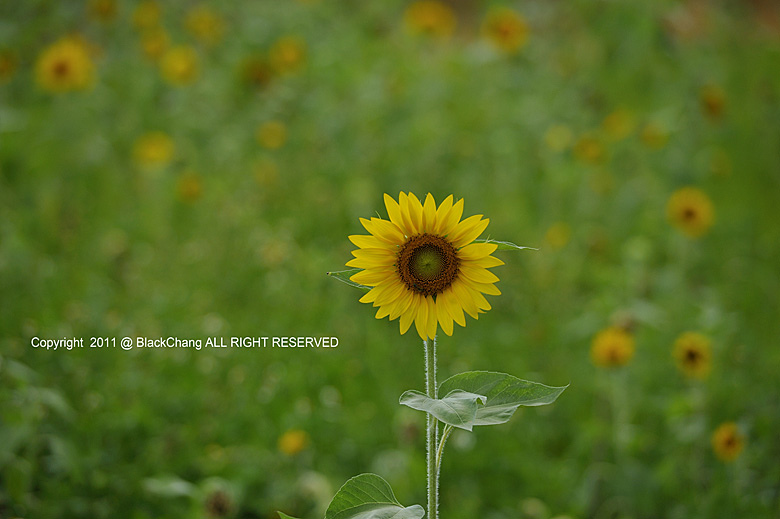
368,496
504,394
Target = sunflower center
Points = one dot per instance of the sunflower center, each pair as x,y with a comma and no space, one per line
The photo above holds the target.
689,214
427,264
692,356
61,68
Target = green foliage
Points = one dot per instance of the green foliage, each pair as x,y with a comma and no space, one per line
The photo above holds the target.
368,496
458,408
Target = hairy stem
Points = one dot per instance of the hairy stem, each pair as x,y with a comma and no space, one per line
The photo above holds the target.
440,451
431,431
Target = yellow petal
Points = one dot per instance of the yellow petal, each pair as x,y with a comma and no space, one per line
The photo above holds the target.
443,316
485,288
442,214
433,318
408,316
479,275
375,257
482,303
372,277
415,212
468,230
453,218
401,305
475,251
463,296
369,296
383,312
429,214
450,302
390,294
394,212
369,242
406,215
488,262
421,321
384,230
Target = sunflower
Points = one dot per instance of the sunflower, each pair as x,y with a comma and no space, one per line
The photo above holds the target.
728,441
422,265
612,347
65,65
690,210
506,29
692,353
430,17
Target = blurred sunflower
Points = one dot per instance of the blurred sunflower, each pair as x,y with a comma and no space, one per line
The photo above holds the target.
619,124
65,65
692,353
558,235
728,441
589,148
558,137
713,101
430,17
147,14
189,187
654,135
205,25
287,54
272,134
612,347
506,29
155,42
180,65
690,210
102,10
256,71
293,441
422,265
7,65
154,149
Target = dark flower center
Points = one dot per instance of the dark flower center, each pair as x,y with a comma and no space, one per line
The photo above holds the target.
61,68
692,356
427,264
689,214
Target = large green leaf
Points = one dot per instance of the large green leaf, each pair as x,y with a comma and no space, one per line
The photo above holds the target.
368,496
458,408
344,275
504,245
504,394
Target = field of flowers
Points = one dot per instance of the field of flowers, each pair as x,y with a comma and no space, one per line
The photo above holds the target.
193,170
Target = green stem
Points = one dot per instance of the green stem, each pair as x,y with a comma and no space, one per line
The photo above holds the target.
431,431
440,450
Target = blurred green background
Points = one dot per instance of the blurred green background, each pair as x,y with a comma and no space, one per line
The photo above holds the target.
193,170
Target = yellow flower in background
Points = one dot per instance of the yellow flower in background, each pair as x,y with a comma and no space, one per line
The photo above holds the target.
180,65
693,355
154,149
654,135
422,265
558,137
189,186
728,441
589,148
558,235
155,42
7,66
205,25
619,124
713,101
256,71
430,17
690,210
287,54
103,10
272,134
506,29
65,65
147,15
612,347
293,441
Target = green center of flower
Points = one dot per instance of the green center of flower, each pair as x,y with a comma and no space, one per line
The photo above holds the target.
427,264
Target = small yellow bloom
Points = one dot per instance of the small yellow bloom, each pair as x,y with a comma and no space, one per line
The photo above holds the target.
690,210
506,29
205,25
693,355
272,134
180,65
589,148
155,42
654,135
287,54
430,17
619,124
293,441
7,66
728,441
189,187
558,137
558,235
423,265
612,347
713,101
103,10
65,65
154,149
147,14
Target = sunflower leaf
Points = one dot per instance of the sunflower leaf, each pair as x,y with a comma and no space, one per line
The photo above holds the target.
504,394
368,496
458,408
344,275
504,245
